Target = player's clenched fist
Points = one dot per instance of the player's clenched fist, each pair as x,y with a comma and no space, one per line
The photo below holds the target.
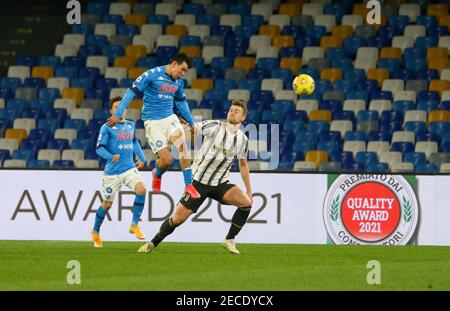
115,158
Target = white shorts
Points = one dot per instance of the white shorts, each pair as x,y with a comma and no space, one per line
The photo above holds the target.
158,132
113,183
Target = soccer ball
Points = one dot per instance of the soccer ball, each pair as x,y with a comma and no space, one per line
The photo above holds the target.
303,85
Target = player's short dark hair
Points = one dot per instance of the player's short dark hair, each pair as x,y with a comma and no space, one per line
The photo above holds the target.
113,100
180,58
240,103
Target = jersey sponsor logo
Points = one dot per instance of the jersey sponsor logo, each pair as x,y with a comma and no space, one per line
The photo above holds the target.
123,135
168,88
371,210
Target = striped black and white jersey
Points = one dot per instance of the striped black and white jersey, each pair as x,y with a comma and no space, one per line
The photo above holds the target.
219,149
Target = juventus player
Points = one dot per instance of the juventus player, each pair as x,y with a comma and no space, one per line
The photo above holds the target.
223,142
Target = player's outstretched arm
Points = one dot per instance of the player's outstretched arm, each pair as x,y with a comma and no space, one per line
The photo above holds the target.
137,150
102,143
185,112
245,174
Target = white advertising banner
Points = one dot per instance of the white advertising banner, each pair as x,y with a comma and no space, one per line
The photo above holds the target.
288,209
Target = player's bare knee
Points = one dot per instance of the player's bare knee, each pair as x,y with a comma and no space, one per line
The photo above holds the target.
106,205
140,189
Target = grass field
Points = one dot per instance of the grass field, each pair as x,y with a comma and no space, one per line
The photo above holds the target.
182,266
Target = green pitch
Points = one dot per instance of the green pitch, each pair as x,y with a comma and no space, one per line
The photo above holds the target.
191,266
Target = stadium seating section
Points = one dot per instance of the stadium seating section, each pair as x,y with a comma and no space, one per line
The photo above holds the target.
382,98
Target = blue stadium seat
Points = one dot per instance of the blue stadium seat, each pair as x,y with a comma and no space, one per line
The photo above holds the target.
98,8
423,43
391,64
165,53
402,106
9,113
33,113
126,83
403,147
344,115
95,124
438,31
366,158
19,104
89,73
31,144
374,167
416,158
379,136
190,41
413,53
221,30
352,44
439,128
50,61
210,20
97,40
225,85
253,21
58,144
266,97
113,51
427,136
212,73
194,9
427,168
378,42
399,23
74,61
87,50
267,63
77,124
87,134
367,85
387,32
258,74
212,103
357,95
106,83
10,83
6,93
148,62
128,30
368,115
355,75
318,127
40,134
428,105
26,155
38,164
29,61
83,29
335,53
101,114
381,95
416,126
192,104
49,94
428,21
342,63
63,164
292,30
250,84
245,31
113,19
404,74
331,104
327,136
416,64
84,83
36,83
83,144
4,125
426,74
66,72
283,106
215,94
49,124
355,136
241,9
316,32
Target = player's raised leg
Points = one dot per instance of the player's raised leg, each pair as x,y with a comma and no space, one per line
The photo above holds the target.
138,207
168,227
163,162
178,139
235,196
99,217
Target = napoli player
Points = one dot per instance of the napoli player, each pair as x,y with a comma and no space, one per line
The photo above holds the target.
161,88
118,145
